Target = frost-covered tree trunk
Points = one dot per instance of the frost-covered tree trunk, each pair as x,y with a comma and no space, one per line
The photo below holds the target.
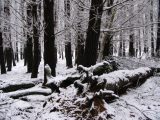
93,33
49,35
107,45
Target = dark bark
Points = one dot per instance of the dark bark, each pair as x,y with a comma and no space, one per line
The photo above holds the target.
16,54
80,40
158,34
9,56
49,37
36,56
79,53
68,55
29,54
152,32
2,63
108,45
93,33
25,55
131,46
21,53
68,48
15,87
13,57
124,49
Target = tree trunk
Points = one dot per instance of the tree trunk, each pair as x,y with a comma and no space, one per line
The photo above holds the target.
158,33
93,33
29,54
25,55
107,45
152,32
131,46
9,56
2,63
68,48
68,54
13,56
16,54
36,57
49,37
79,52
21,53
80,39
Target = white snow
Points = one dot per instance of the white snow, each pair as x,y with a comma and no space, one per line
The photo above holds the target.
122,74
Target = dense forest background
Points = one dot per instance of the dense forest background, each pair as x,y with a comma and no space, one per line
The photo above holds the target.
86,31
80,59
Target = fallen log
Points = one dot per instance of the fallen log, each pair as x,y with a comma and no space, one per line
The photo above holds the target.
31,91
99,68
117,81
16,86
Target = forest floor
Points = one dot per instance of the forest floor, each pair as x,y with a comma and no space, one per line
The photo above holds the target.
141,103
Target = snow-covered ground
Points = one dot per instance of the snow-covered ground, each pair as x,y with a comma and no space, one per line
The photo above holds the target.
141,103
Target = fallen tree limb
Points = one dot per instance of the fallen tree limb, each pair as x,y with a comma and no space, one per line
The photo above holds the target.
31,91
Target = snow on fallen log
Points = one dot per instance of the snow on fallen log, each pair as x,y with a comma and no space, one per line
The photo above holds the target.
99,68
16,86
55,82
119,81
31,91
